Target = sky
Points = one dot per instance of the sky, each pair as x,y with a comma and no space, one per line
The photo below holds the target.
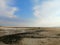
30,13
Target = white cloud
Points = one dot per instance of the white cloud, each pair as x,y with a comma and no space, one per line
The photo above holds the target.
7,14
47,13
6,10
37,10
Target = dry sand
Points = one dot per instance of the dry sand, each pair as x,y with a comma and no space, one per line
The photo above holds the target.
51,32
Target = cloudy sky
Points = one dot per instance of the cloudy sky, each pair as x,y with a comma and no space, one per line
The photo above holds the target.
30,13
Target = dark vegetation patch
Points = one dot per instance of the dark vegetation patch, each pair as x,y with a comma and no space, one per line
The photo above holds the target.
58,34
10,39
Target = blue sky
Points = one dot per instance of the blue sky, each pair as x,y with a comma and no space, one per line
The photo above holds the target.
30,13
25,8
